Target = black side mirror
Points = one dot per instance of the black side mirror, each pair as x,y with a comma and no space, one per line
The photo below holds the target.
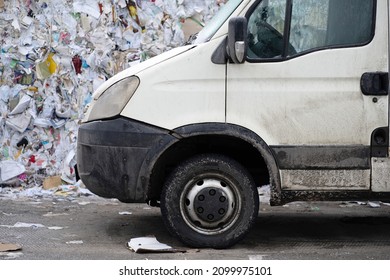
237,39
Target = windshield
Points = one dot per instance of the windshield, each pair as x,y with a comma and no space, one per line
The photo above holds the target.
211,27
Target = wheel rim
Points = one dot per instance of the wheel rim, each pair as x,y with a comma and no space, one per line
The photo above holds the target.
210,204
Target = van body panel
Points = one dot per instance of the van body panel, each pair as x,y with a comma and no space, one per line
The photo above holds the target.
310,109
135,69
380,175
325,180
185,89
310,100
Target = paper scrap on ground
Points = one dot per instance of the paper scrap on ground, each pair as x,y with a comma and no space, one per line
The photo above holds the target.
10,169
374,204
265,194
23,225
51,214
78,242
125,213
6,247
52,182
150,245
55,228
10,255
83,202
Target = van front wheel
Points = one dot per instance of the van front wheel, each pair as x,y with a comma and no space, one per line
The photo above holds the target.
209,201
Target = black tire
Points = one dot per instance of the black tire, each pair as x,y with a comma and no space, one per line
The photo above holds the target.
209,201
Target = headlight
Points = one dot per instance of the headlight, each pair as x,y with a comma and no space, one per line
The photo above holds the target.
112,101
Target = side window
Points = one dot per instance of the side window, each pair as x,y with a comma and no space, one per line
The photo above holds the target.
311,25
266,29
309,21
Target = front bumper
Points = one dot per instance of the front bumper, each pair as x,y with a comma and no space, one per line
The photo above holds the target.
111,157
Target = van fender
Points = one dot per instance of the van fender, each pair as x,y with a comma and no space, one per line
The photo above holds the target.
217,129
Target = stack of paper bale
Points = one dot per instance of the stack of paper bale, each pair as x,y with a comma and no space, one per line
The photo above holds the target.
55,53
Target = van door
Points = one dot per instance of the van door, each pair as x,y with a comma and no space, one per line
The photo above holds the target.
314,87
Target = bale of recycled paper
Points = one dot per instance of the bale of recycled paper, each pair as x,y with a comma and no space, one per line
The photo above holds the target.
55,53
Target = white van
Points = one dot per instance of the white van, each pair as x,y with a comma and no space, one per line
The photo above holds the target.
290,93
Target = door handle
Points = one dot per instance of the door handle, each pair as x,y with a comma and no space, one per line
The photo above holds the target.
375,83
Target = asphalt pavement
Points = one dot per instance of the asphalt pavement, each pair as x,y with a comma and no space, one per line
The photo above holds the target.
63,227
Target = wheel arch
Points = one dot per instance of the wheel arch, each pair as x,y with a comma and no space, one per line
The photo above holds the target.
234,141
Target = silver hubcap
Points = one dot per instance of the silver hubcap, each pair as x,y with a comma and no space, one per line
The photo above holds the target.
210,205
